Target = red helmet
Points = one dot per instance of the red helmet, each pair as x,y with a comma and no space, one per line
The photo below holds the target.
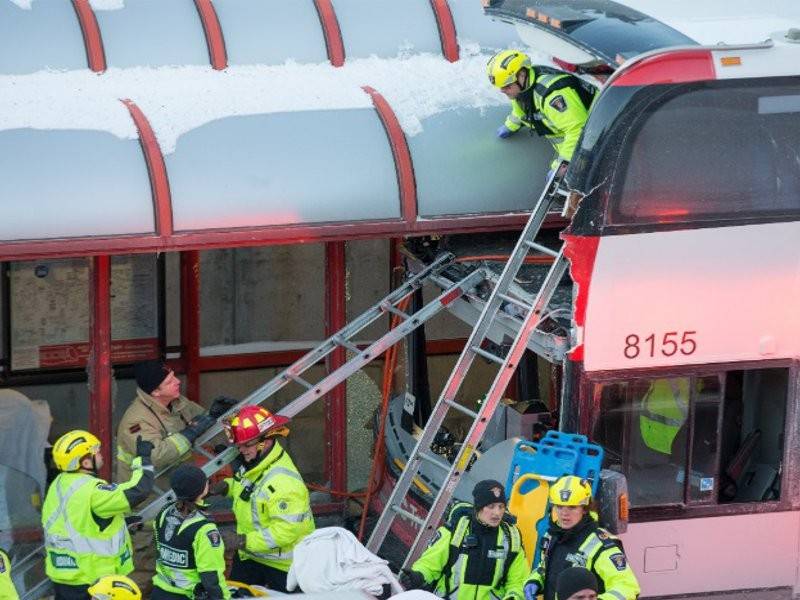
253,422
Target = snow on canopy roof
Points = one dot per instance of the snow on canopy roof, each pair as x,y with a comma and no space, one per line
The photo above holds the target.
178,99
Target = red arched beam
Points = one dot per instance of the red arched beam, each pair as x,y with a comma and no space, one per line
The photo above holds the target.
331,31
447,29
159,183
214,38
92,40
402,156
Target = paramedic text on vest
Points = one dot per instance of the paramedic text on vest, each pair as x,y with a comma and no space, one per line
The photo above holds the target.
476,555
553,103
83,516
270,499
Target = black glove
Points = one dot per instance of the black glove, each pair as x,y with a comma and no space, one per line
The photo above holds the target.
197,427
219,489
144,448
412,580
134,523
221,405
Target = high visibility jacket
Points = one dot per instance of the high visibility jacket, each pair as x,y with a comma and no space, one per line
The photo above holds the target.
470,561
272,509
157,424
186,547
84,525
592,547
7,589
664,410
556,112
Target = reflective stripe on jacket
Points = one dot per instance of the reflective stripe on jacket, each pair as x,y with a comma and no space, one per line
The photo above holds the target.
84,528
276,513
477,572
665,408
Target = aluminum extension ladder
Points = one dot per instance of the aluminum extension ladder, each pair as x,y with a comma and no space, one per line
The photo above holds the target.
343,338
553,192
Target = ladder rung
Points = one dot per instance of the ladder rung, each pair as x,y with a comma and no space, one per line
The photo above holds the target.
434,461
204,452
461,408
300,380
487,355
542,249
394,310
515,301
412,517
345,344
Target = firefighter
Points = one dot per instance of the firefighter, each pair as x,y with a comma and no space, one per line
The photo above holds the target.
115,587
191,555
83,516
553,103
576,540
477,554
7,589
270,500
161,415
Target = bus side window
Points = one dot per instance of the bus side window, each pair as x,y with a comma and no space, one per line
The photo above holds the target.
752,437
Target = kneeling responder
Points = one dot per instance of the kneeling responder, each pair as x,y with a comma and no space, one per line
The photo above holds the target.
576,540
270,500
190,561
553,103
477,554
115,587
83,516
7,589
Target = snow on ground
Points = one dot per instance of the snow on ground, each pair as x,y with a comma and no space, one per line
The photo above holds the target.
178,99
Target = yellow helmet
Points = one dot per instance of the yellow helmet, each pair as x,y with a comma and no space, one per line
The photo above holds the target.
115,587
571,491
71,447
503,67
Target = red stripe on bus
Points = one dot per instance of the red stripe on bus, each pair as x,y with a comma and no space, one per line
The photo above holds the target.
581,252
92,39
680,66
447,29
402,155
215,40
156,169
331,31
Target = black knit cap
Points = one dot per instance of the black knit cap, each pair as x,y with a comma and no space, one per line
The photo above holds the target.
149,374
488,492
188,481
574,580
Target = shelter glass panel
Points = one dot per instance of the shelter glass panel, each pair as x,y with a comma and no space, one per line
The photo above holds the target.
153,33
63,184
284,168
271,32
45,36
710,151
386,28
49,310
460,168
